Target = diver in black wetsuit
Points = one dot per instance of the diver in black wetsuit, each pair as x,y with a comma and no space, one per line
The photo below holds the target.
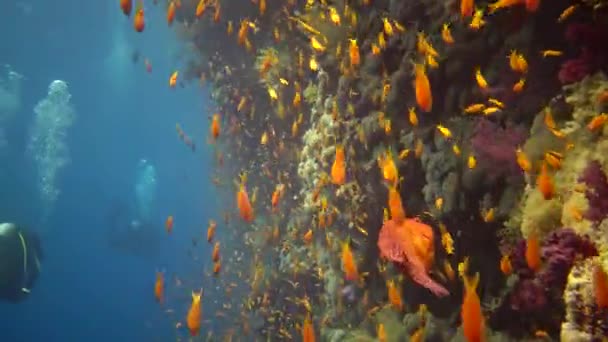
20,260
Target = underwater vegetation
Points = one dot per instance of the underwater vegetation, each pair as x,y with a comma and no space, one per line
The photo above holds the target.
399,170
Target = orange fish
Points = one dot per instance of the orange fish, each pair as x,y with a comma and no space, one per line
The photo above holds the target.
338,169
159,287
505,265
395,205
126,6
171,13
139,22
242,202
193,319
211,230
424,97
394,295
466,8
173,79
169,224
532,5
200,8
472,317
308,236
411,245
597,122
353,50
262,7
215,127
216,14
544,182
533,252
308,330
349,265
217,267
276,196
600,286
389,169
215,255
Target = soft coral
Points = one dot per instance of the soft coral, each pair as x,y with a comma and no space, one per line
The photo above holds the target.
495,147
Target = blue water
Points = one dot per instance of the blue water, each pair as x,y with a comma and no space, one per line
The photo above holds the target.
87,291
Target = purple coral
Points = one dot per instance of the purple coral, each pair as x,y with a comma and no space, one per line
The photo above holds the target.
597,191
594,52
495,147
559,251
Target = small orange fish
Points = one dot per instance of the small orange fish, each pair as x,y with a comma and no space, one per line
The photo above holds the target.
446,34
544,182
532,5
353,50
338,168
449,270
200,8
276,196
381,332
169,224
519,85
600,286
159,287
481,80
139,22
215,127
597,122
394,295
126,6
505,265
308,330
422,86
503,4
211,230
217,13
217,267
466,8
395,205
243,203
171,13
215,254
349,265
533,252
473,325
389,169
193,319
262,7
522,160
308,236
173,79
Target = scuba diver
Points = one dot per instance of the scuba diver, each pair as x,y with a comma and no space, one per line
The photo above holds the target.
20,255
131,236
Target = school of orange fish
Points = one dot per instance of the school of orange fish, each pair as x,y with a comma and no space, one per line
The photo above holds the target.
266,189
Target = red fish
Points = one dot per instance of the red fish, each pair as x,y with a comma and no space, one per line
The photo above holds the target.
410,245
126,6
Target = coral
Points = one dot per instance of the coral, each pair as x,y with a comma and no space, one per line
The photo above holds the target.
559,250
584,321
533,293
596,192
594,53
495,147
539,215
